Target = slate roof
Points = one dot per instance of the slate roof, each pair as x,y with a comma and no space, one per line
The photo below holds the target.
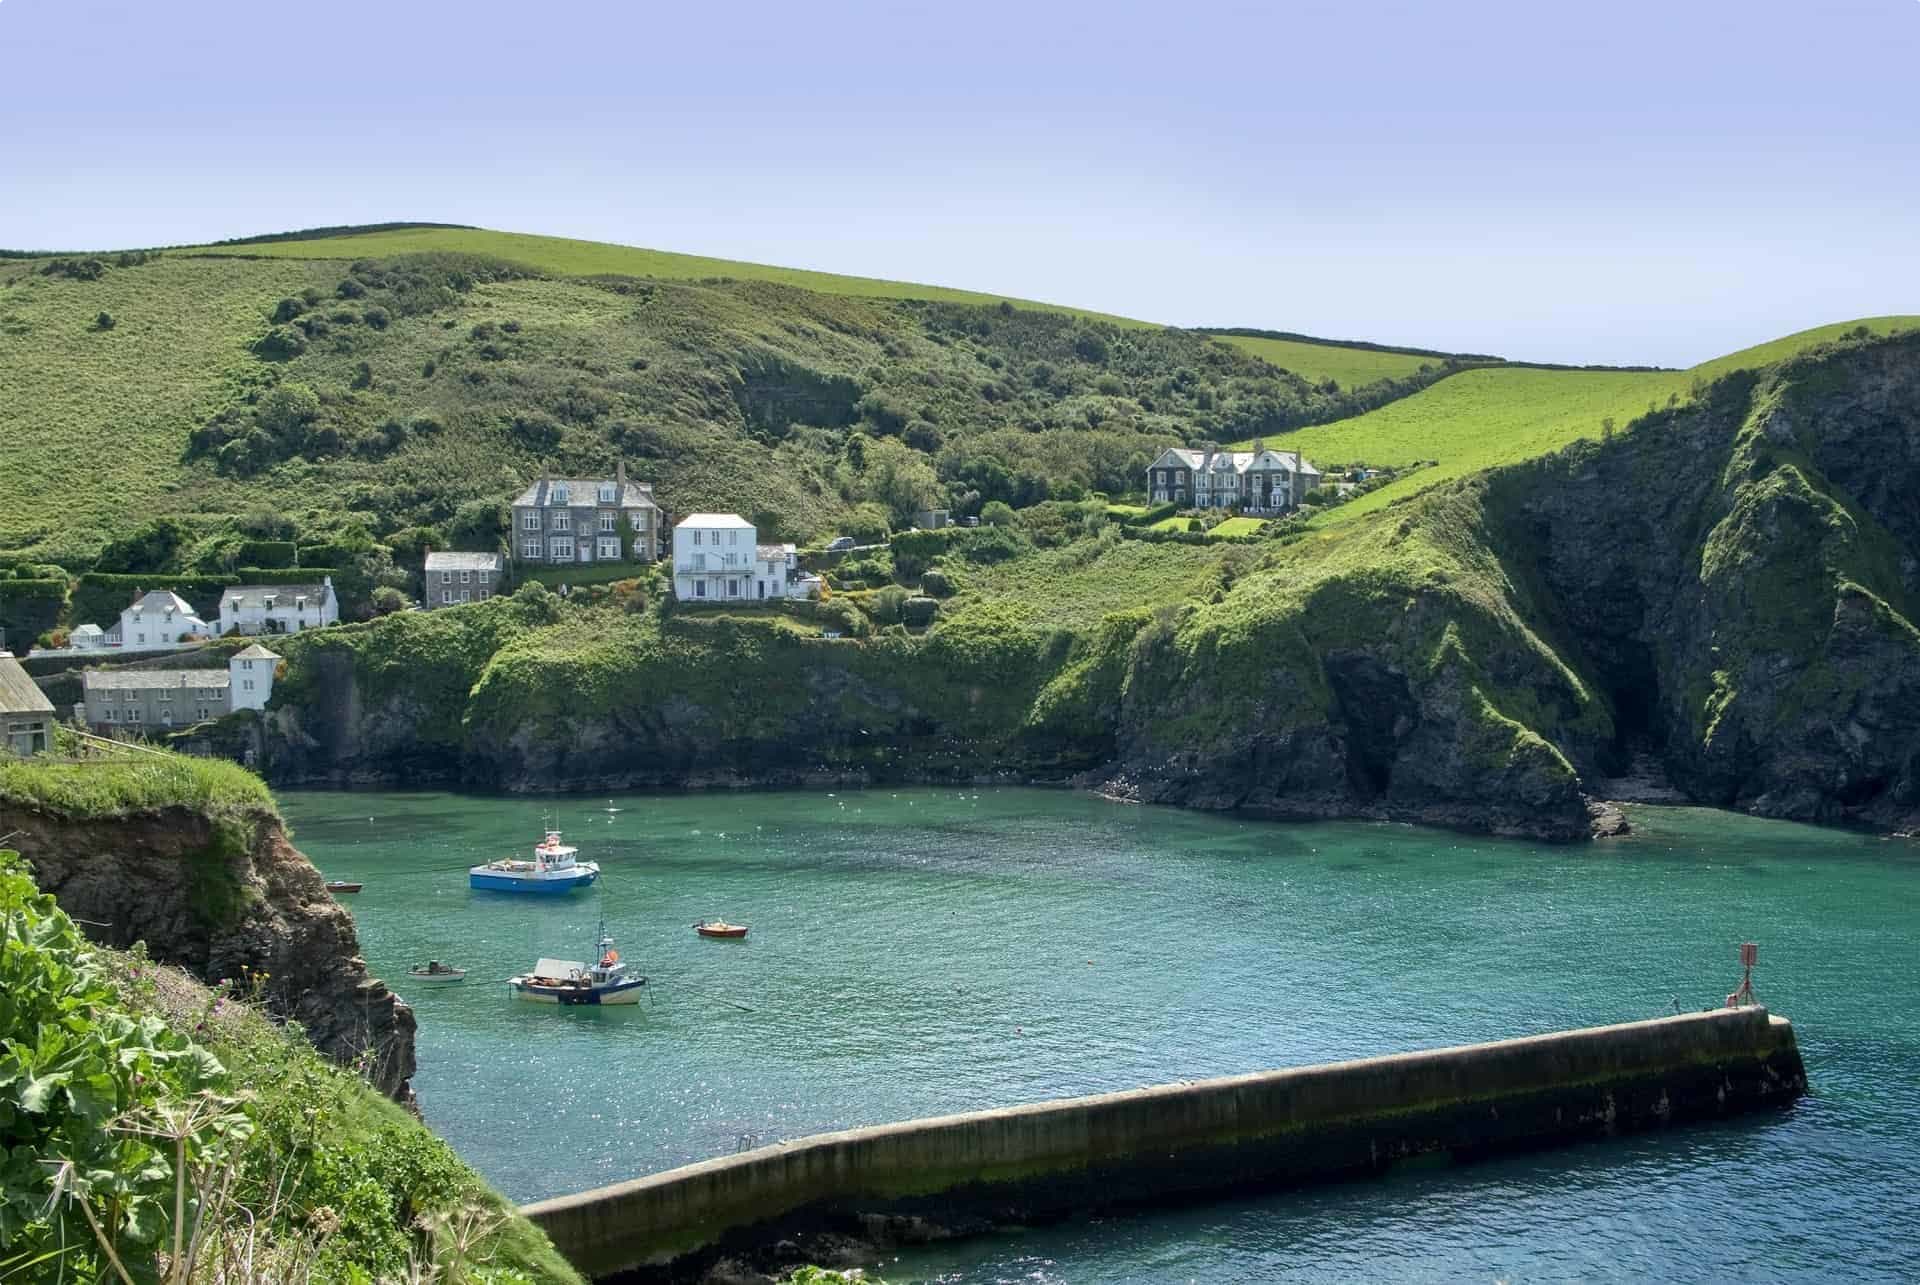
283,595
256,652
18,692
151,680
162,601
1240,461
583,492
709,520
774,552
454,561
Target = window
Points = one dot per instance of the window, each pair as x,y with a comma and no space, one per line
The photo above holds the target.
166,718
610,549
530,521
561,548
133,713
466,595
466,577
484,576
609,520
446,577
699,588
200,714
112,717
141,636
559,493
733,588
696,537
446,595
530,549
733,537
246,684
166,697
563,521
606,493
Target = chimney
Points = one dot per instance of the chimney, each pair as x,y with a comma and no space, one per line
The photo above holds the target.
620,480
546,484
1258,446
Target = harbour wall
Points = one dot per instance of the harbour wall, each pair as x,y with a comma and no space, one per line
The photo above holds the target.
1175,1141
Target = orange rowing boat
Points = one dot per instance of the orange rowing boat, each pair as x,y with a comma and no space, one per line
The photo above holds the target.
720,928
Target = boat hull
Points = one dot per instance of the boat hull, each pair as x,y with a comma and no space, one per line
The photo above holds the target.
435,979
722,934
494,881
578,996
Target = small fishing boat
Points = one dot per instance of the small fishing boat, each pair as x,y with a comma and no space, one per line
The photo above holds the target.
555,868
435,973
343,885
720,928
567,981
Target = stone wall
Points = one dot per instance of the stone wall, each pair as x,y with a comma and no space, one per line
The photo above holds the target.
1146,1145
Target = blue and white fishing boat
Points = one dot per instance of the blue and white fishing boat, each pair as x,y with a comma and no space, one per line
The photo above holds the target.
568,981
554,869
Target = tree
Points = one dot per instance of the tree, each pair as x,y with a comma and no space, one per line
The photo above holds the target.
104,321
996,513
899,477
1606,429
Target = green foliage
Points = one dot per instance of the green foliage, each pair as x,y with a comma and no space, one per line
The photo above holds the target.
996,513
1349,367
138,783
30,608
98,597
278,555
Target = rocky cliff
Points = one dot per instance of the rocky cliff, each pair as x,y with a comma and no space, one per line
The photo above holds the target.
1723,592
224,898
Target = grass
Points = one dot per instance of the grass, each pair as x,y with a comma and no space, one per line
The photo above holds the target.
1238,526
118,787
1485,418
564,257
1349,367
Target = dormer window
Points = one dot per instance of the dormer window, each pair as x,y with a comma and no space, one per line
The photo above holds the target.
559,492
606,493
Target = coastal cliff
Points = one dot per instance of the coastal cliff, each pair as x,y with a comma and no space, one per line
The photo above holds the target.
1722,591
215,887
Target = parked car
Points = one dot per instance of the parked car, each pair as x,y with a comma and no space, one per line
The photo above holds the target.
839,543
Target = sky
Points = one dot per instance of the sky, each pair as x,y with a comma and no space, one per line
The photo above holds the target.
1628,182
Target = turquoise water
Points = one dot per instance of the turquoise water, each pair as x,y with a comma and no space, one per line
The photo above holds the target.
928,951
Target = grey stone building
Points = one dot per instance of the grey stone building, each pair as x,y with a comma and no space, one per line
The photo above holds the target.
1257,481
453,578
158,700
26,715
560,520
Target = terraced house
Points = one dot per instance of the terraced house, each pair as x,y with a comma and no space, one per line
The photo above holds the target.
452,578
149,700
561,520
1259,481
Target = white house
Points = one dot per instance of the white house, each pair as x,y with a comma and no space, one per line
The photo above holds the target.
278,608
157,620
776,568
714,557
252,672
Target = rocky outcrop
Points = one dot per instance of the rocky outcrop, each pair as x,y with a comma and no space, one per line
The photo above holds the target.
225,898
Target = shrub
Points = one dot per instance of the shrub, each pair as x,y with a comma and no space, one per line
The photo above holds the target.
286,310
387,599
842,615
886,605
377,318
937,583
918,612
996,513
103,321
281,343
278,554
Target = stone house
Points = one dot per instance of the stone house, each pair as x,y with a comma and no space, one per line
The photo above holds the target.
278,608
558,521
452,578
1259,481
160,699
26,715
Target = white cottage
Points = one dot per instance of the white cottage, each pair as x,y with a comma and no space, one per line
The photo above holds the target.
157,621
278,608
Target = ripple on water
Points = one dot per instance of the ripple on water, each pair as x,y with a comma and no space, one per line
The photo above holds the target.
920,952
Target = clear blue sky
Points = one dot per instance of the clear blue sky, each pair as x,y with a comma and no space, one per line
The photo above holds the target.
1629,181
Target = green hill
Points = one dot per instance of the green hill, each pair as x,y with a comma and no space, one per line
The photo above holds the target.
381,395
1350,366
1483,418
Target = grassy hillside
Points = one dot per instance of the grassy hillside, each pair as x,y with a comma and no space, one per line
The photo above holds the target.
1348,367
380,396
1485,418
563,257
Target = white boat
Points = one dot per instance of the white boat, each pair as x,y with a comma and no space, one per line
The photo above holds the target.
555,869
435,973
568,981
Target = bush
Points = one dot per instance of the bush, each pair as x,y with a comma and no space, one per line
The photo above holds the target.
886,605
937,583
840,614
103,321
277,554
387,599
377,318
29,609
996,513
918,612
281,343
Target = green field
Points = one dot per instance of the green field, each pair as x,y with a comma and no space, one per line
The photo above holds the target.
563,257
1484,418
1239,526
1349,367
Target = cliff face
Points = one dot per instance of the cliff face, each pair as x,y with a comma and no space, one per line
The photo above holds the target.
225,900
1724,591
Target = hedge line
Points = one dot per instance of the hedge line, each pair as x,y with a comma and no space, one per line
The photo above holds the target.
29,608
100,596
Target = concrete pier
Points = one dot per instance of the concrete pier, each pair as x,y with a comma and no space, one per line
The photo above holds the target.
1241,1132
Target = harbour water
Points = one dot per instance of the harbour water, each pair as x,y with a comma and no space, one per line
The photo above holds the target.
920,952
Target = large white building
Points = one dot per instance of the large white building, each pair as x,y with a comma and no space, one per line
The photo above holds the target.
157,620
278,608
717,557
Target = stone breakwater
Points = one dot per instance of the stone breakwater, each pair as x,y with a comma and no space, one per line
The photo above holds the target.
946,1175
